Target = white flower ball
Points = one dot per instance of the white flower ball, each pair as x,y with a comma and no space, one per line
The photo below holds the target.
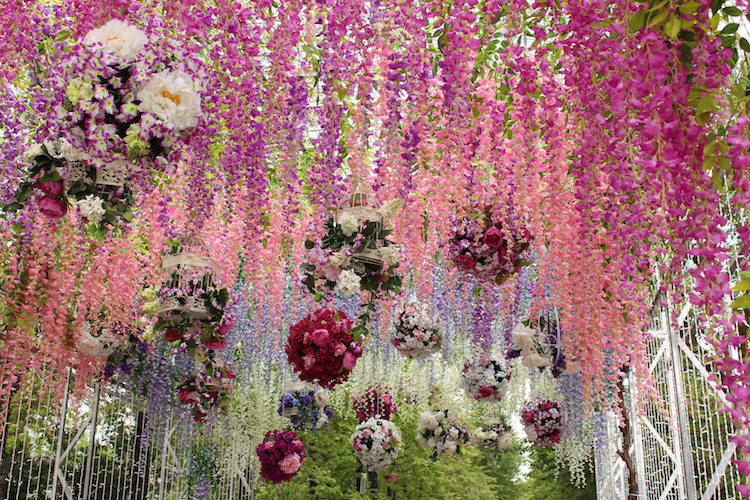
171,96
119,38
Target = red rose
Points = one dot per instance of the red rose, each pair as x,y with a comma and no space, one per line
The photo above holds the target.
51,188
466,262
493,237
172,335
486,391
52,207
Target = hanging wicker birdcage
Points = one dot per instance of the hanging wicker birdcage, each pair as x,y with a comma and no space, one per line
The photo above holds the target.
178,272
364,207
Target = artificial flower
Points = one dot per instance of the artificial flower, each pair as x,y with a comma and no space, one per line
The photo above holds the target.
171,96
119,38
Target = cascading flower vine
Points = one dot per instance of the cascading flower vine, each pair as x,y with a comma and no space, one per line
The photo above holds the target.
281,454
376,443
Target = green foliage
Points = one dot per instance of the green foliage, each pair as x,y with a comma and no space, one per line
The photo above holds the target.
545,482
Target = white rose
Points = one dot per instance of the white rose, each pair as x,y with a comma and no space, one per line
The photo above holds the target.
454,433
321,398
91,208
33,151
390,208
70,153
339,259
119,38
492,435
530,433
428,420
349,282
349,225
421,440
390,254
450,447
171,96
505,441
432,442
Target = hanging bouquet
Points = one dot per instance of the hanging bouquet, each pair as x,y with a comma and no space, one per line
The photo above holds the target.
486,379
321,347
495,435
487,247
210,387
57,178
543,421
194,307
124,348
441,432
306,408
541,348
127,96
376,443
281,454
375,402
416,333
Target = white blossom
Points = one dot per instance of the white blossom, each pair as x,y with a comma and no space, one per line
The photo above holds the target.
118,38
390,254
91,208
349,225
171,96
349,282
339,259
428,420
390,208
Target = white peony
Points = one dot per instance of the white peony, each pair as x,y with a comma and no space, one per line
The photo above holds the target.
534,360
390,254
349,225
421,440
454,433
321,398
433,442
91,208
349,283
70,153
428,420
530,433
505,441
390,208
339,259
171,96
524,337
450,448
118,38
90,345
33,151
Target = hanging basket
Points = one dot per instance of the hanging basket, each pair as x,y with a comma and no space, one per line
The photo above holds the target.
111,174
179,272
362,207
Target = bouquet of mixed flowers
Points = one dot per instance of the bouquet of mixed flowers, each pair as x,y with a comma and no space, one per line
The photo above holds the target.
124,348
416,332
376,443
486,379
487,247
210,387
544,421
541,348
441,432
495,435
281,454
321,347
58,178
126,95
194,306
306,408
374,402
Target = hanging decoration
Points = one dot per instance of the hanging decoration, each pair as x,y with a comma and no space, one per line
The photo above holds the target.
441,432
281,454
486,379
321,347
495,435
375,402
541,348
544,421
209,387
376,443
306,408
416,332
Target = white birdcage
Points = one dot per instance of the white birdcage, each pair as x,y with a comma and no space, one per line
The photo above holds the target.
111,174
177,271
364,207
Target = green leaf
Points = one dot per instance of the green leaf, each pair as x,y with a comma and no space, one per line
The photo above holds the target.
672,28
741,286
732,11
637,21
730,28
62,36
745,275
689,7
741,302
708,103
745,44
724,163
716,179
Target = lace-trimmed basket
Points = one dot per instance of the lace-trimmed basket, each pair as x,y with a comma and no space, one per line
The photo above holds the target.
111,174
364,207
176,271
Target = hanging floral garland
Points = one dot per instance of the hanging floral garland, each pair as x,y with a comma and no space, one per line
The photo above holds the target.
416,332
376,442
441,432
281,454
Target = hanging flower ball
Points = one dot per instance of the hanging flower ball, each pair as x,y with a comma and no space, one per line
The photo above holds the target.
321,347
495,436
281,454
416,332
375,402
486,379
544,421
376,443
306,408
208,388
442,432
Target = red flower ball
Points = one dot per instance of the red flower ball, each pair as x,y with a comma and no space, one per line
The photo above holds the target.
280,454
318,357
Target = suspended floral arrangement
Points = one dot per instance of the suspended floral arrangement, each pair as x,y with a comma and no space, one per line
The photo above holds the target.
322,349
488,247
355,255
544,421
374,402
541,348
194,306
58,178
376,443
306,408
281,454
416,332
442,432
208,388
486,379
494,436
124,348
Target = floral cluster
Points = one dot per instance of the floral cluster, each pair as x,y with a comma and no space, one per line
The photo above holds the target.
54,182
127,95
306,409
416,332
281,454
441,432
321,347
539,349
374,402
189,289
124,348
209,388
544,421
486,379
486,248
495,435
354,255
376,443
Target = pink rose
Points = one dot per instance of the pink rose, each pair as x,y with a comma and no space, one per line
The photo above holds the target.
297,445
331,273
396,342
357,444
321,337
226,326
306,339
466,262
390,479
486,391
493,237
187,396
52,207
419,335
339,350
435,338
268,445
350,361
309,360
216,344
51,188
367,433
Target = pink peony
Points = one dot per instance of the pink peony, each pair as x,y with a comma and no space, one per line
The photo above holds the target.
52,207
226,326
493,237
367,433
331,273
350,361
188,396
51,188
486,391
216,344
268,445
321,337
309,360
290,464
357,444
